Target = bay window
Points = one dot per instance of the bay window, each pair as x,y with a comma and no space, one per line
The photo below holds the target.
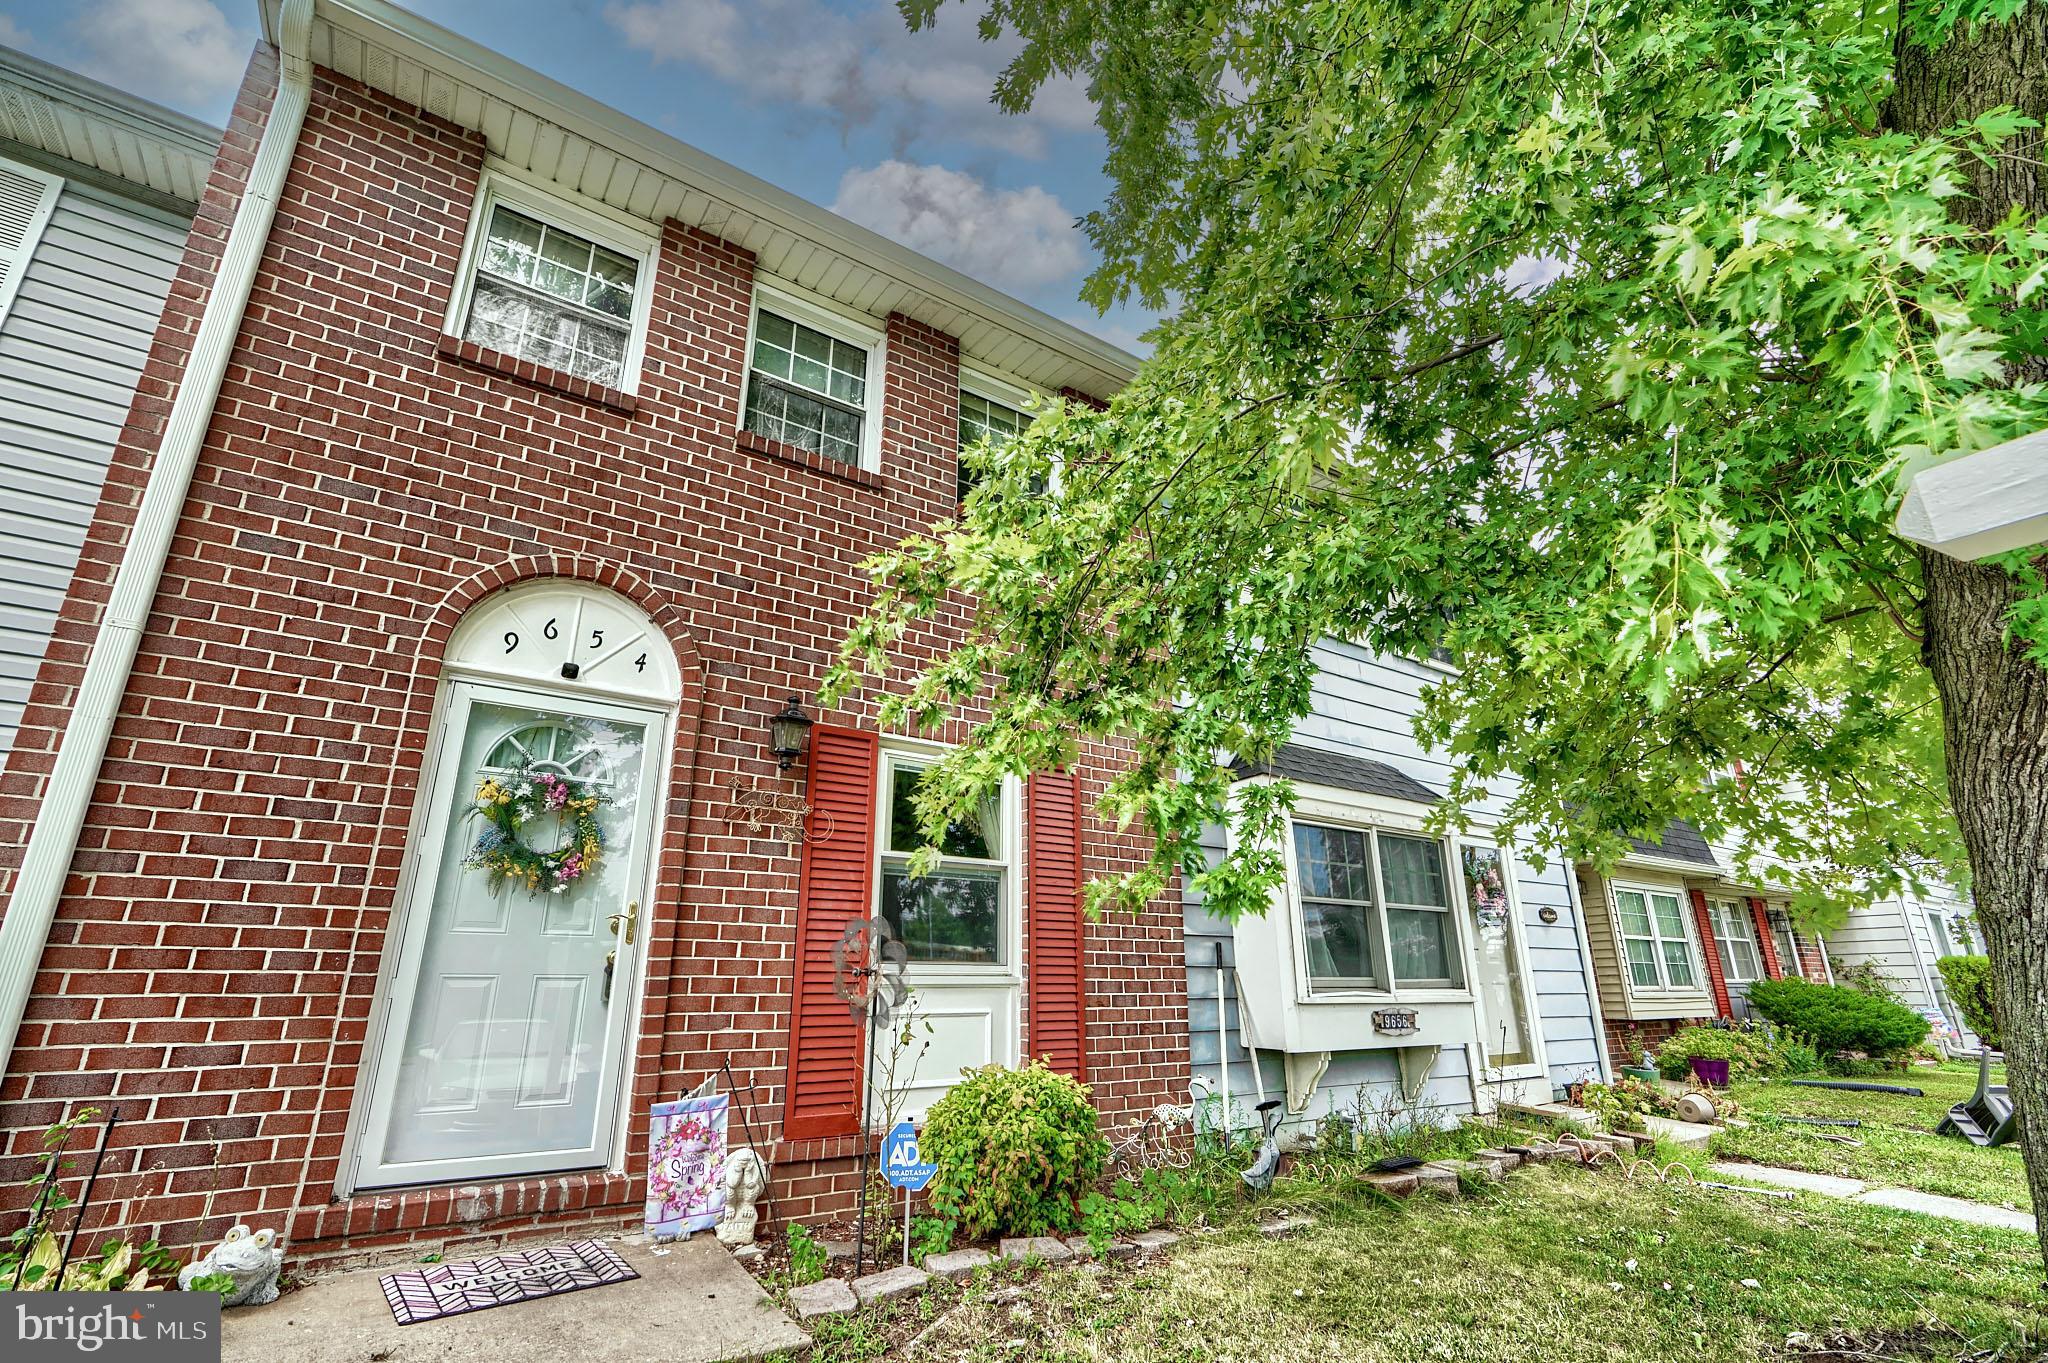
1375,910
1654,939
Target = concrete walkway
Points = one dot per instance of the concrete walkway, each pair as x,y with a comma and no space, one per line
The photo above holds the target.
1903,1199
692,1304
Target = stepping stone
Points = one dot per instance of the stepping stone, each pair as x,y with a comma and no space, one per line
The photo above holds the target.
826,1297
890,1283
1684,1135
1079,1244
1486,1163
1044,1248
836,1251
1284,1227
1506,1159
1438,1176
749,1255
1394,1183
957,1264
1152,1241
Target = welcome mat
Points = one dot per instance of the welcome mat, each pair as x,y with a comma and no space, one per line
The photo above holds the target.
439,1290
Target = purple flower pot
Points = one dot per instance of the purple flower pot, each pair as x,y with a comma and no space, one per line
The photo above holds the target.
1712,1073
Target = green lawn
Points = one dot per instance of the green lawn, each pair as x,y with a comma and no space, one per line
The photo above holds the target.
1536,1269
1899,1144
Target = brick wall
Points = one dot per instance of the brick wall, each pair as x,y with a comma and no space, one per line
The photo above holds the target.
214,959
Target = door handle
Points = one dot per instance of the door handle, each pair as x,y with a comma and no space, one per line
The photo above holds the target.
631,918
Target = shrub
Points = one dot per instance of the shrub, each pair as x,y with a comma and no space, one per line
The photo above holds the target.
1839,1018
1969,984
1015,1150
1675,1056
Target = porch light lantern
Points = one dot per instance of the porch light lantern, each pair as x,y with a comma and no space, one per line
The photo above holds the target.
789,729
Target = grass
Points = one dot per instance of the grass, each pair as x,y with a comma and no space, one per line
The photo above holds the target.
1555,1263
1899,1144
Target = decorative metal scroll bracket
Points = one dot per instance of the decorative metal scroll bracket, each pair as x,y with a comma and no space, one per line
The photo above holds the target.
767,812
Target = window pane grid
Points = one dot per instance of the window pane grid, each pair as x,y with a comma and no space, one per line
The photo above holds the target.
1740,961
984,419
1653,940
810,360
552,298
1343,876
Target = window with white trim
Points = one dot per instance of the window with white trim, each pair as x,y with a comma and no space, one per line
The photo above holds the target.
983,418
1375,907
1654,939
1937,926
814,381
555,285
953,915
1735,936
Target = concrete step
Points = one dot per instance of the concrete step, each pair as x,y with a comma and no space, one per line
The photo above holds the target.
690,1304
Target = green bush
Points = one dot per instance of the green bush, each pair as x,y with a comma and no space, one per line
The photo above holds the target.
1969,984
1838,1018
1675,1056
1015,1150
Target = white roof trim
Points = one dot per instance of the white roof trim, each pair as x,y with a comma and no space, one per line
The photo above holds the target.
612,157
77,119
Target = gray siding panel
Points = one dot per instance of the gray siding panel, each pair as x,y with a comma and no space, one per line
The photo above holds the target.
71,351
1361,707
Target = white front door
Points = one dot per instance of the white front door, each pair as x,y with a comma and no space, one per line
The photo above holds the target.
503,1043
1510,1055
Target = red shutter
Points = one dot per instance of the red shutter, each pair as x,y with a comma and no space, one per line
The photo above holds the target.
1766,941
1708,949
1055,960
837,887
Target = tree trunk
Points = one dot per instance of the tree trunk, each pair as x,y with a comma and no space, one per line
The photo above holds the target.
1994,701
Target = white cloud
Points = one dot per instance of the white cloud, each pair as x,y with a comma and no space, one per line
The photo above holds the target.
864,70
1011,238
180,52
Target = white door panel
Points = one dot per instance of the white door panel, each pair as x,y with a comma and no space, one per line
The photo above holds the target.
503,1044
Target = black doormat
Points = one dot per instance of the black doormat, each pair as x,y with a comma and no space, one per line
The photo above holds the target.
438,1290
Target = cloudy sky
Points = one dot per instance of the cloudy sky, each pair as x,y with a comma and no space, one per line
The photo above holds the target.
831,99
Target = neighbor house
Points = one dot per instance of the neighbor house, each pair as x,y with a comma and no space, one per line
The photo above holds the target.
1400,973
97,194
1900,940
1679,935
516,446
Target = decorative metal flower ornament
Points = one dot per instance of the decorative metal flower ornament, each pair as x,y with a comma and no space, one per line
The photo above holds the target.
867,967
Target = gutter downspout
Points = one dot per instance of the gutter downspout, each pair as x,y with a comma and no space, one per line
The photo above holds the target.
67,796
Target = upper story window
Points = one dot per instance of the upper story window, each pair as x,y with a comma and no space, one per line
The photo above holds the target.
814,380
983,418
554,285
1653,936
954,915
1735,935
1375,907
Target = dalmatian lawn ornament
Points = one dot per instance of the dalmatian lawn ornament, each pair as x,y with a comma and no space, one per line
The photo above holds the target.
745,1178
253,1261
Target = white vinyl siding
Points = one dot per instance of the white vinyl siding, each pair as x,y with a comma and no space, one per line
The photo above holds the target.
72,346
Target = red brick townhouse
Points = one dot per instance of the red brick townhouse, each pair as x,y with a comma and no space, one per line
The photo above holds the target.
494,441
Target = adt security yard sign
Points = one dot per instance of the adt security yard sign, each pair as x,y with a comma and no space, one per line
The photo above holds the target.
906,1169
901,1164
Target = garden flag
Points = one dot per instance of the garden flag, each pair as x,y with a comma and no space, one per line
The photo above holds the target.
686,1156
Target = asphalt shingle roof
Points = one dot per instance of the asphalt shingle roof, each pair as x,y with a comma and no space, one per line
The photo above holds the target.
1681,842
1336,769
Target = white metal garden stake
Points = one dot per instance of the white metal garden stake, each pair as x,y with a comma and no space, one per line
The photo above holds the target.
907,1195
